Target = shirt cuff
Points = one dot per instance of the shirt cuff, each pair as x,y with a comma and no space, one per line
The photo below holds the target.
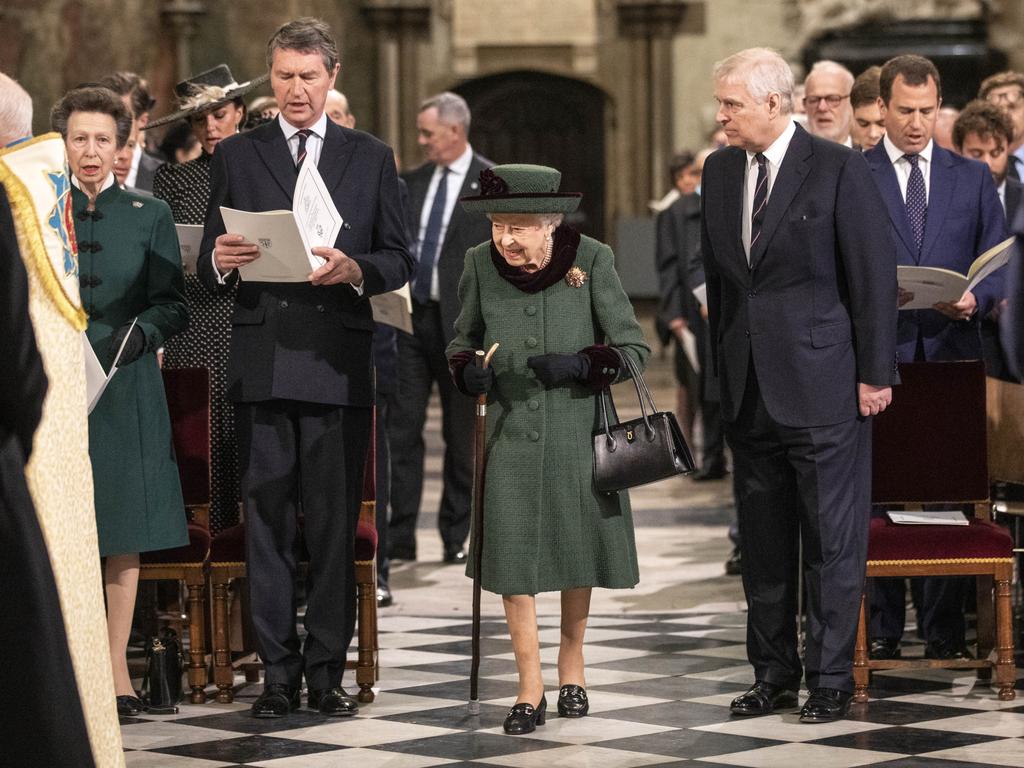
220,277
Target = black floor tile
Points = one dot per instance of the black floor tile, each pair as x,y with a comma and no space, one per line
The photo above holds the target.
674,714
667,664
489,646
906,741
888,712
470,746
689,744
243,722
491,716
248,749
459,689
661,643
673,687
489,667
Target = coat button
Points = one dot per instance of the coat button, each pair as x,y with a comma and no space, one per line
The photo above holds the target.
534,435
283,304
747,333
320,308
531,310
751,294
533,405
531,342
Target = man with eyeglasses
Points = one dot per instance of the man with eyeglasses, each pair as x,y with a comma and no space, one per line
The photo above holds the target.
827,100
1007,91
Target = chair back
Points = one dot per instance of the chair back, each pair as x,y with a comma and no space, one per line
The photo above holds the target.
929,445
188,402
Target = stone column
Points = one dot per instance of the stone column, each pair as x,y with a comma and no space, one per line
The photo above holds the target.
398,25
649,26
183,17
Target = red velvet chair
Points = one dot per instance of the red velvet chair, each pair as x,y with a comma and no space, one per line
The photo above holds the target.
930,448
227,563
188,402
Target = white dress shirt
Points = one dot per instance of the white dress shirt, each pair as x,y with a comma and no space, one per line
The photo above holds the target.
133,172
107,183
903,167
774,155
456,176
1001,191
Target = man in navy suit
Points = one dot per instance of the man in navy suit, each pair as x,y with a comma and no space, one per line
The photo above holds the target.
943,212
801,288
300,366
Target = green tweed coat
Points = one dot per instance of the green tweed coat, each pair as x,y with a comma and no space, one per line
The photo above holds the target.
130,266
545,526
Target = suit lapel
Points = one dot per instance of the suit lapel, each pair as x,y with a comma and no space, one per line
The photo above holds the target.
889,187
334,156
792,172
941,188
732,197
470,186
273,151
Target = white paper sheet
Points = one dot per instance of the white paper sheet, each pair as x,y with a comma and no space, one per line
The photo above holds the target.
283,255
932,285
315,214
96,381
928,517
394,308
689,342
190,238
701,294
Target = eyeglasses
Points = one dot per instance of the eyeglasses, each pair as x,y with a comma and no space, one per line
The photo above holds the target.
833,100
1009,99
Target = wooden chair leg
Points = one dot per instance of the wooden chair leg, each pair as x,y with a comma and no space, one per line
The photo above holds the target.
986,624
367,609
1006,673
197,674
861,672
223,675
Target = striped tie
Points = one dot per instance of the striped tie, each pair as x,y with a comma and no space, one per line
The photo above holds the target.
760,202
303,134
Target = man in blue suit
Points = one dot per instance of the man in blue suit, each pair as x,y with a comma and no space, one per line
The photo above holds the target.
300,369
944,212
801,290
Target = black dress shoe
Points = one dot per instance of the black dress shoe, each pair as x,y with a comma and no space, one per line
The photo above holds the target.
938,649
734,565
763,699
524,718
333,702
384,598
826,705
705,474
452,556
402,553
129,706
884,648
277,700
572,701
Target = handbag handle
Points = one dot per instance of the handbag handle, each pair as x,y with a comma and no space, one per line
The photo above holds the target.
643,395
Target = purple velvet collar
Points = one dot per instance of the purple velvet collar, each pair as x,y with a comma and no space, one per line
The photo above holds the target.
563,254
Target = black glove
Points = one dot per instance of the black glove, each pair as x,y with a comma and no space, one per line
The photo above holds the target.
133,348
477,380
558,369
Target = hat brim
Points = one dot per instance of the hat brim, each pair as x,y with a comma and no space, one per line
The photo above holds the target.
231,95
530,202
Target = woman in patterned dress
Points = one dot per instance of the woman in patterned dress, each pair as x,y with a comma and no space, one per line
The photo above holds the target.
212,103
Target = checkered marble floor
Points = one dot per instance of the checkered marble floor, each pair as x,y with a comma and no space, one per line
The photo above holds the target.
659,684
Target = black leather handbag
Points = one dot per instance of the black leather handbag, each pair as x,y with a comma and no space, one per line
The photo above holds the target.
639,451
161,687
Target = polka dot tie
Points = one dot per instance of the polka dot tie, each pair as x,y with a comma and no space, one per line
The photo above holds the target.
917,201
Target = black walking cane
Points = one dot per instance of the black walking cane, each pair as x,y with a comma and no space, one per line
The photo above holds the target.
481,360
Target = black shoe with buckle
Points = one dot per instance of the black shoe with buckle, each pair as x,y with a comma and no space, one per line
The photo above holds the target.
454,556
572,701
763,699
333,702
524,718
384,598
826,705
277,700
129,706
884,648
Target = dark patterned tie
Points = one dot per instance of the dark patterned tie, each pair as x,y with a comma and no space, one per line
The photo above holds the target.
303,134
760,202
917,201
431,242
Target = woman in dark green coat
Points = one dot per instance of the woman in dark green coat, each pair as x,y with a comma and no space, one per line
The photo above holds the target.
129,270
552,300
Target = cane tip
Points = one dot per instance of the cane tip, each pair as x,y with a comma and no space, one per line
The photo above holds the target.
473,707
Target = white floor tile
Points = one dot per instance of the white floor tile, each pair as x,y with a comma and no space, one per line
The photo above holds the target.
363,733
578,757
1004,724
812,755
1002,752
161,735
787,727
355,758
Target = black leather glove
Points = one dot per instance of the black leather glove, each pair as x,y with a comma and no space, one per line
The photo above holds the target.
555,369
478,381
133,348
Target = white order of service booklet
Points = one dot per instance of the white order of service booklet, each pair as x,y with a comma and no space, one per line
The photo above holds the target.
933,285
96,379
190,238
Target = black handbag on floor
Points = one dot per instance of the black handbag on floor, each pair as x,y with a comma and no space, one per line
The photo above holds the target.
639,451
161,687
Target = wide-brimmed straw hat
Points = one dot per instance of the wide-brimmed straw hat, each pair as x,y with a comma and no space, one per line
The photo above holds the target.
207,90
521,188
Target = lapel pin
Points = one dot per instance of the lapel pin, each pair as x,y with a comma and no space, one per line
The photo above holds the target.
474,185
136,204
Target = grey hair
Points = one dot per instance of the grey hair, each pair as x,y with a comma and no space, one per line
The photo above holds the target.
826,66
545,219
305,35
15,111
92,99
763,71
451,108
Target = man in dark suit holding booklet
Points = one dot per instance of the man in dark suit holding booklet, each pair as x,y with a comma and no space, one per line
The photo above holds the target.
943,212
300,367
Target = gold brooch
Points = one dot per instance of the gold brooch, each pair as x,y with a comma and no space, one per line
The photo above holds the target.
575,277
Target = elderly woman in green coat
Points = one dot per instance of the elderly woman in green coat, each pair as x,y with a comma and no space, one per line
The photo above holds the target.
553,301
129,270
